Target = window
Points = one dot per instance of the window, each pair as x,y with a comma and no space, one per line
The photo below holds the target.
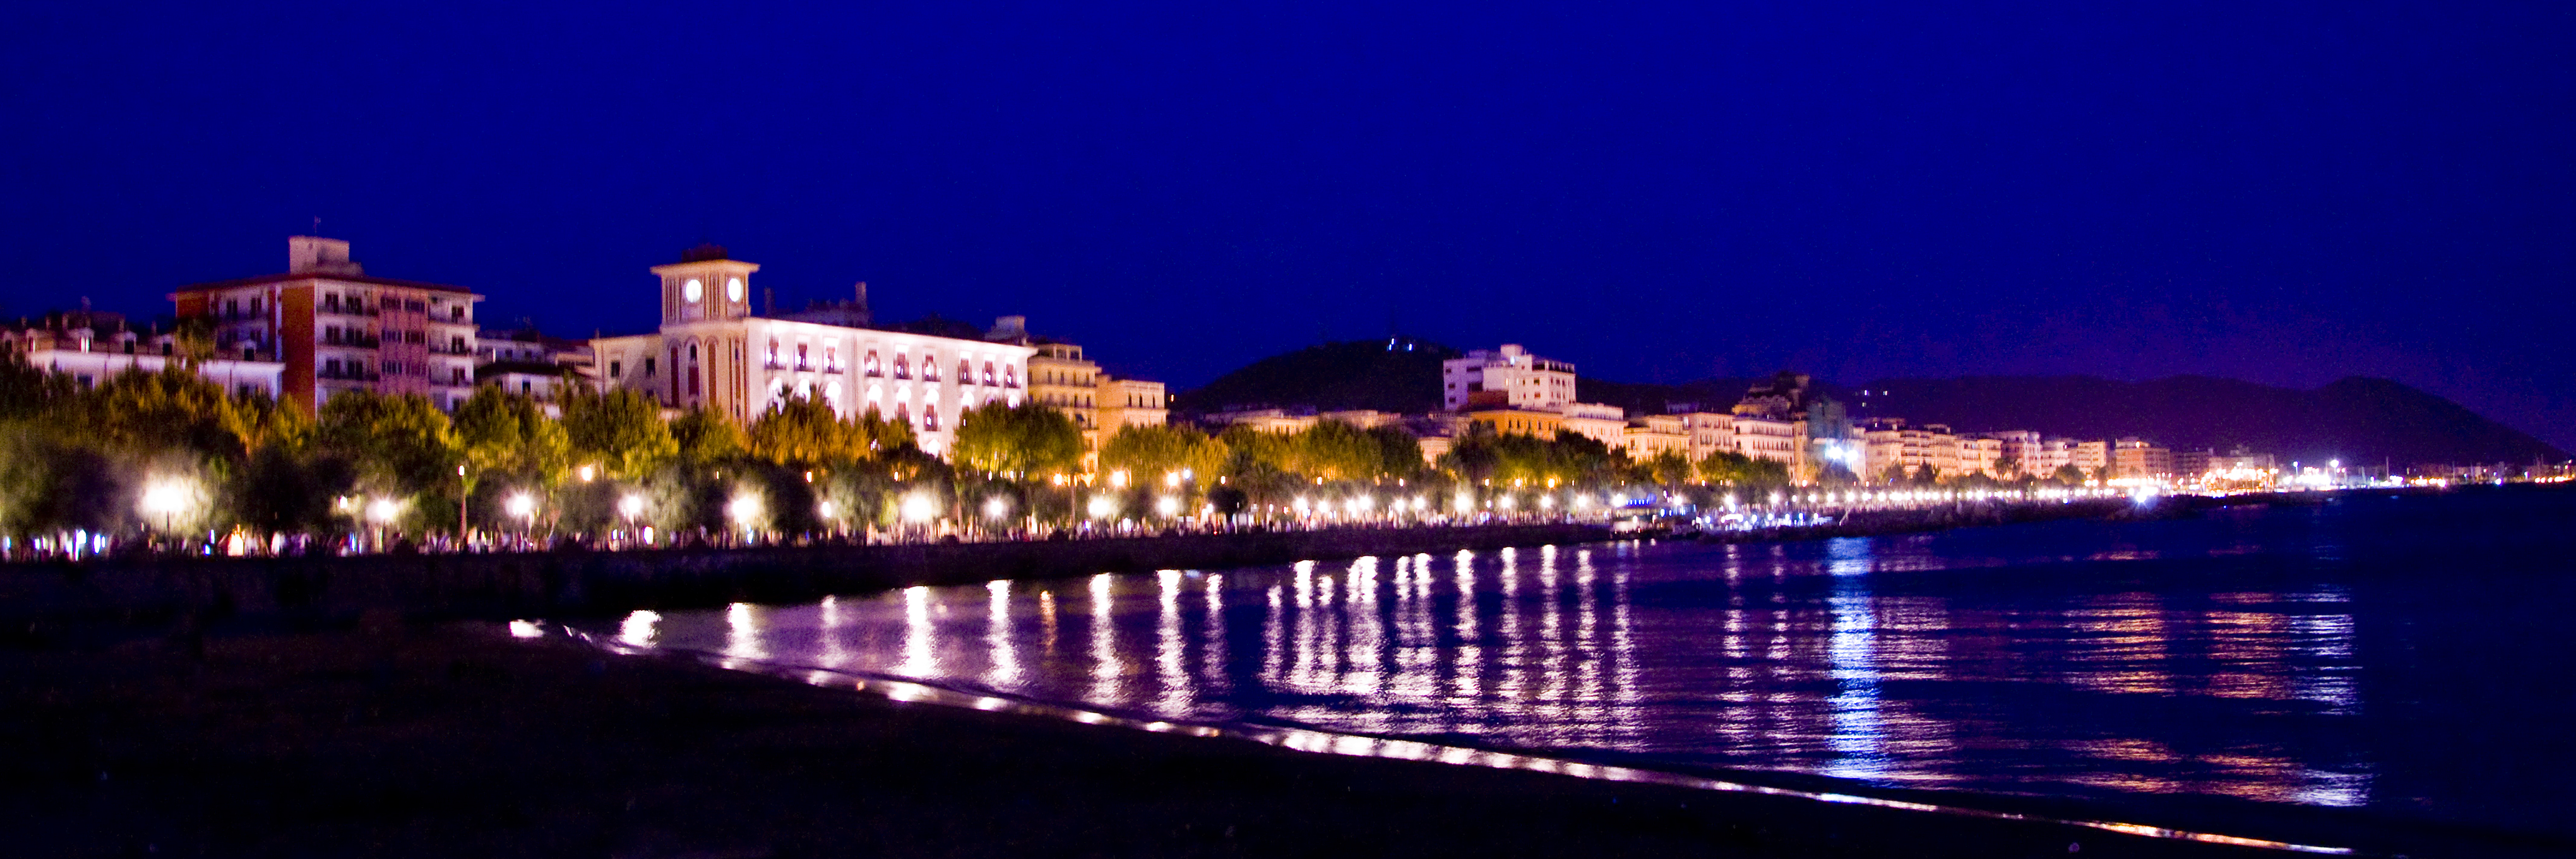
648,368
254,306
773,353
988,372
869,365
965,372
331,302
801,363
456,345
1010,376
456,313
456,375
331,368
930,368
930,417
614,367
902,413
902,370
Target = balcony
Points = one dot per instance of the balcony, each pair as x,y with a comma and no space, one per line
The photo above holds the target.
329,374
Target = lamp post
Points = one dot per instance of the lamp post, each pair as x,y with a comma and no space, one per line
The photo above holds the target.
464,493
524,506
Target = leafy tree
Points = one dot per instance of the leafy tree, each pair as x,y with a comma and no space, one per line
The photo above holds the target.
27,390
1149,452
1399,453
507,433
1668,468
1927,474
1894,475
135,412
1334,451
398,442
704,437
1029,439
622,430
803,431
2069,475
2007,465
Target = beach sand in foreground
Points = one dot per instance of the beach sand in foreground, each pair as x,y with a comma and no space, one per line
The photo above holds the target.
457,740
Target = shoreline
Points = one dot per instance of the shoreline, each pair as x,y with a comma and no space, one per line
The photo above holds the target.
404,739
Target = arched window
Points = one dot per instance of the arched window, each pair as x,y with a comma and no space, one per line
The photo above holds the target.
773,353
930,417
965,372
988,372
870,365
930,368
902,369
1010,376
902,413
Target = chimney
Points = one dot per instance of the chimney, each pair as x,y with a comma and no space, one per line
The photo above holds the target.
317,255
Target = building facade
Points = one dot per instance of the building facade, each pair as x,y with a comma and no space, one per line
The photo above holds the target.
712,353
334,328
92,347
1526,381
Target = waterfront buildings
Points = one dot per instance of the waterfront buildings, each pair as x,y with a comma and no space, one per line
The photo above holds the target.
2134,459
711,352
91,346
1525,380
1650,436
335,328
1602,423
527,361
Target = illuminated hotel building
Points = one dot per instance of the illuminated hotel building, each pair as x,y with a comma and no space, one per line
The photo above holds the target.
1524,380
713,353
337,329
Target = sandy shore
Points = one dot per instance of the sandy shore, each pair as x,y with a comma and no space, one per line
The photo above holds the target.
458,741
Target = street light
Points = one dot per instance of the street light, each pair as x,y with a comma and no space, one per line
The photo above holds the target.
165,498
744,508
1102,506
631,506
996,507
918,507
1169,506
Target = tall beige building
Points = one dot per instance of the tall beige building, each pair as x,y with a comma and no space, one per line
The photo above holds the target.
338,329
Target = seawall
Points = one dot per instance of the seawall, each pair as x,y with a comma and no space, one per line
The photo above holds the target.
575,583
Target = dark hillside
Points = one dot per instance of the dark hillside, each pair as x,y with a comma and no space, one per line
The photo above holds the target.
1393,375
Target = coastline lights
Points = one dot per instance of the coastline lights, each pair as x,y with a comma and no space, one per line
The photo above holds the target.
1299,506
1102,506
165,498
824,509
1361,504
521,505
918,507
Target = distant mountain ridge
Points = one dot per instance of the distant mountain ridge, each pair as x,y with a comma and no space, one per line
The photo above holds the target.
2356,419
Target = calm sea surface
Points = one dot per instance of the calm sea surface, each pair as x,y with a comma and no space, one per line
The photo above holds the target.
2407,656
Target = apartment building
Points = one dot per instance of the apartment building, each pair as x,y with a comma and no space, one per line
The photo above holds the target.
93,346
334,328
1524,380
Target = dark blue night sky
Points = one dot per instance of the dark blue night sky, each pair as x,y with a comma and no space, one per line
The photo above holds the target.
2288,195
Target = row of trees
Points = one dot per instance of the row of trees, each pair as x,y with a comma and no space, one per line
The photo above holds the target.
170,452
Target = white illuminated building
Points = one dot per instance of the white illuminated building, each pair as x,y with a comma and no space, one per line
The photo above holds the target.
712,353
1525,381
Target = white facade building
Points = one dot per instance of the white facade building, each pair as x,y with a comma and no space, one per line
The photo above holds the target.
92,348
712,353
1526,381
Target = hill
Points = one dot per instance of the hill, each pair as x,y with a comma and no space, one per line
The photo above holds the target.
1391,375
2356,419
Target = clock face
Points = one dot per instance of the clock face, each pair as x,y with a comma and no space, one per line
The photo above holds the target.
733,290
693,290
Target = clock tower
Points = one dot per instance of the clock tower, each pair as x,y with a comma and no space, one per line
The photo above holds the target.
705,285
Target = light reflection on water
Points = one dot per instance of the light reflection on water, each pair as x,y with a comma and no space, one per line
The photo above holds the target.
1871,659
